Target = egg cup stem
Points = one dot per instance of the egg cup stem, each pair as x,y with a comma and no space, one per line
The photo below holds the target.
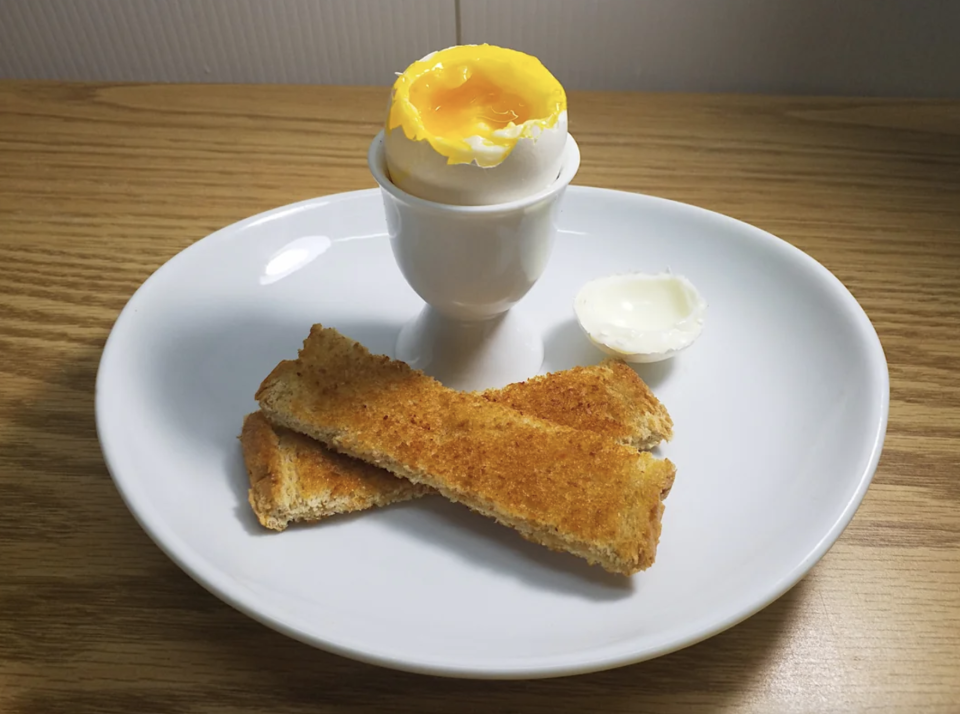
471,265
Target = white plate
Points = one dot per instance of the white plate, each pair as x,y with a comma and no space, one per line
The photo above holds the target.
780,412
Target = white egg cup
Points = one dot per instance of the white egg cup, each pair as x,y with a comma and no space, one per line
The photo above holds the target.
471,264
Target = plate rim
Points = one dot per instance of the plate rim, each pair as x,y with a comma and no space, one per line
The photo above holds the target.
213,580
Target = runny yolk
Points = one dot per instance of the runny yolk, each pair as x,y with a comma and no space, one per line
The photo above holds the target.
477,107
473,103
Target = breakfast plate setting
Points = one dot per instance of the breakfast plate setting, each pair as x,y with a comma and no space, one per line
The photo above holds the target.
773,377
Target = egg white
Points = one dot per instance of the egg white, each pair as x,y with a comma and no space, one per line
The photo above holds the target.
532,165
640,317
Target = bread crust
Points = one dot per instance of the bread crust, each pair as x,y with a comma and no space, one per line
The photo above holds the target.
570,490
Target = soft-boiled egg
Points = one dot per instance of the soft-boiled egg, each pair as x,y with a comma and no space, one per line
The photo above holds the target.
640,317
475,125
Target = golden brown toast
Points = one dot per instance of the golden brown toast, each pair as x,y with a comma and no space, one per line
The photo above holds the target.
608,399
570,490
295,478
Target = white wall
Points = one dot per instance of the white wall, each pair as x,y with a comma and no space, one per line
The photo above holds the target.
864,47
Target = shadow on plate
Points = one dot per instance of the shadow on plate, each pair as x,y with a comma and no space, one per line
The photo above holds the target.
565,347
655,373
440,524
206,378
239,483
480,541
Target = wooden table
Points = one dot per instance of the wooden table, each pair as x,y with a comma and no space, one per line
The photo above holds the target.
99,185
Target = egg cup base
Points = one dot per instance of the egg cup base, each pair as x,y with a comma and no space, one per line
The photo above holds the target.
471,355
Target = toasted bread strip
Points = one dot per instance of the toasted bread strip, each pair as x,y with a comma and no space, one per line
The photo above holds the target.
570,490
295,478
608,399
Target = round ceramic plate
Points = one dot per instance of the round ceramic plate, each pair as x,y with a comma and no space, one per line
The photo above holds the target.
780,411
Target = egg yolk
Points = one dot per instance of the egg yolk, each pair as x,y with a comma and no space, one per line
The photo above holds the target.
477,105
469,96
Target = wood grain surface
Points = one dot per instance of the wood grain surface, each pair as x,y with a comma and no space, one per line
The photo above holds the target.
99,185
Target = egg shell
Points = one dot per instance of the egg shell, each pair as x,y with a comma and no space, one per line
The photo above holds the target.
532,165
641,317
